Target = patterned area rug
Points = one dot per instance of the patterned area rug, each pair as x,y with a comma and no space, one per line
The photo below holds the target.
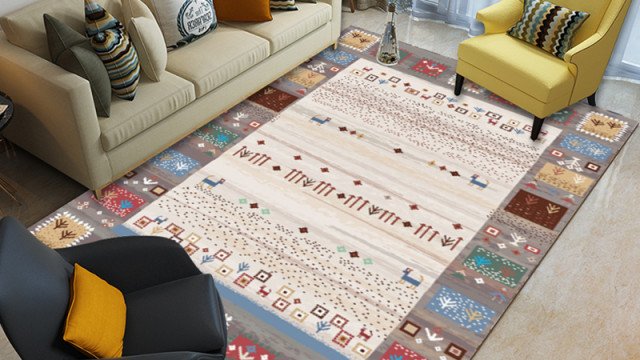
351,210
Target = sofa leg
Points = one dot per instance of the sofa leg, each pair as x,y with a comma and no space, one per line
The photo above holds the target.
99,192
537,126
335,46
459,83
592,99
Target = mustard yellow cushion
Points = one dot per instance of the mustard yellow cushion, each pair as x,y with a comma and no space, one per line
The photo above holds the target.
97,315
246,10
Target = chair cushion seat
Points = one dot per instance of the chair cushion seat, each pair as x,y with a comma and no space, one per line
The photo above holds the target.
182,315
524,66
289,26
217,58
154,101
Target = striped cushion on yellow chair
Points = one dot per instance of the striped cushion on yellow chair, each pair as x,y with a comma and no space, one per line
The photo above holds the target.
115,49
548,26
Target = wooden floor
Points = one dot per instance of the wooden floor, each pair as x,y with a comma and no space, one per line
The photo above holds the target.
581,303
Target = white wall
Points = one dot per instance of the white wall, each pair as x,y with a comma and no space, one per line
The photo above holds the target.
7,6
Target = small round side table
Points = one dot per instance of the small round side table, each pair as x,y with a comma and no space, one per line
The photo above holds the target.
5,119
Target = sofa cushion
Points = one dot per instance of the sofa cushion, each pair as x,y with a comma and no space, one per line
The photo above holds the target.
147,38
182,315
248,10
96,318
217,58
183,21
72,52
548,26
154,102
531,70
115,48
284,5
25,28
289,26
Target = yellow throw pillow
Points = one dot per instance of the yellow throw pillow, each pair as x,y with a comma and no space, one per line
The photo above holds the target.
247,10
97,316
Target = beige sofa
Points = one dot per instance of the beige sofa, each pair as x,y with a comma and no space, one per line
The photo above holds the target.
55,117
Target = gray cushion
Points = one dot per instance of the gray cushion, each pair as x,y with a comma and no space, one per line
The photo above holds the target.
182,315
72,52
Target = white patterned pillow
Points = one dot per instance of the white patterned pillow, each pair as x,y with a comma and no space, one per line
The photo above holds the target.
183,21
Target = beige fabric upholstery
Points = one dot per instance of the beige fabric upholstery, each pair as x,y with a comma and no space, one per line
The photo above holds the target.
55,117
217,57
147,38
149,43
202,110
289,26
336,16
25,27
154,102
545,77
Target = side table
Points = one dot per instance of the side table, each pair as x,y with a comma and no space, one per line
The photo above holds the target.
5,119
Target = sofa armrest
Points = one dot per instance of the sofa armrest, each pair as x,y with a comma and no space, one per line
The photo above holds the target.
336,17
132,263
581,54
54,117
588,60
501,16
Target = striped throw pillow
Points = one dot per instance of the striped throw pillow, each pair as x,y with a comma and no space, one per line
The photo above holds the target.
286,5
548,26
114,48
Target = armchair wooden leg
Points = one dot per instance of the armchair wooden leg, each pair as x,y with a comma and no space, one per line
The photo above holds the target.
352,5
537,126
592,99
459,83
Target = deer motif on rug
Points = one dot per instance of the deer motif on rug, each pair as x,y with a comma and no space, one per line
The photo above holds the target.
210,182
319,120
475,180
408,279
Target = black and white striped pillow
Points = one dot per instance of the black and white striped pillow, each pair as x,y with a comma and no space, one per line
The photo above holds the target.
285,5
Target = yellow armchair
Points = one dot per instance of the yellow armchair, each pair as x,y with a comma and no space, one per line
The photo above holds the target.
531,78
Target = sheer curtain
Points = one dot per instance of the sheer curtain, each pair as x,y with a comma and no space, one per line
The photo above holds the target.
625,61
460,13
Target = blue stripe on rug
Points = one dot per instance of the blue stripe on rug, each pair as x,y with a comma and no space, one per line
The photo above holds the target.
122,230
273,320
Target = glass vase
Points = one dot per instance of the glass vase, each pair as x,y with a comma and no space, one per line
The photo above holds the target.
388,52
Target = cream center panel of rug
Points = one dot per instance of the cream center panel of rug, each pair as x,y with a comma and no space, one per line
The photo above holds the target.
341,213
